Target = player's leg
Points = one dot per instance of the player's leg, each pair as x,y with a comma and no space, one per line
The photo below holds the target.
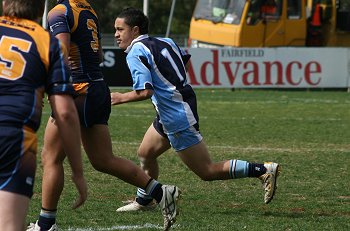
197,159
13,211
52,158
152,146
18,148
97,145
194,153
94,107
94,114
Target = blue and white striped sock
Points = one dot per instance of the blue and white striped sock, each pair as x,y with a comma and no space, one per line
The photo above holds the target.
238,168
142,197
47,218
154,189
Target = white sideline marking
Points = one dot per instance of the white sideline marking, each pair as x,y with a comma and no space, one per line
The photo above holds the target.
267,149
119,227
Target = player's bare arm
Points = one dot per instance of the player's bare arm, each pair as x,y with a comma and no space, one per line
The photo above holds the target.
69,126
132,96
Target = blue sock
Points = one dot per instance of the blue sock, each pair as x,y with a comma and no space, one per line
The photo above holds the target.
142,197
238,169
154,189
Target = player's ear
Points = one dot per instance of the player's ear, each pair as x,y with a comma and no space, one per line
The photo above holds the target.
136,31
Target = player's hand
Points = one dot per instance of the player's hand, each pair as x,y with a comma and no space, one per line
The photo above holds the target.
81,186
116,98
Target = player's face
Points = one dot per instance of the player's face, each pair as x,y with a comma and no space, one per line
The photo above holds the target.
124,34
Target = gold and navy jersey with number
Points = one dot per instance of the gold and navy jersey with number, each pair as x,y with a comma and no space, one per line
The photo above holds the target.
31,62
79,19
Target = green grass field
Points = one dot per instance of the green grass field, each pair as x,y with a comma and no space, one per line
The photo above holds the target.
307,132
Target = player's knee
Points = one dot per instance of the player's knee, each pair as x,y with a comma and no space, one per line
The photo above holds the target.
99,166
205,177
50,158
206,174
143,162
142,154
148,154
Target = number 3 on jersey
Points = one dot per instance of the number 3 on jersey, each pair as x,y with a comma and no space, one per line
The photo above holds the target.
91,25
12,62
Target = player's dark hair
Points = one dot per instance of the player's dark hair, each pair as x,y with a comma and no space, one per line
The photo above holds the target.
27,9
135,17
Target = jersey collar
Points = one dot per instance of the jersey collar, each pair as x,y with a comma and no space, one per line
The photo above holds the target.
144,36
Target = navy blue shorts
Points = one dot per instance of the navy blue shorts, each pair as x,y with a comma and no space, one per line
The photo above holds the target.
18,148
159,127
93,103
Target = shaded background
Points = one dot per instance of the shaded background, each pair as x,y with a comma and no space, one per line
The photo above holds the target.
158,12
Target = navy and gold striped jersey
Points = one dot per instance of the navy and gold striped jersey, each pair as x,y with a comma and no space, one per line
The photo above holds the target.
78,18
31,62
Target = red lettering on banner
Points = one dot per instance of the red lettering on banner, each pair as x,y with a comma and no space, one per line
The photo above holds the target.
191,74
230,75
215,66
289,73
309,70
279,72
254,73
250,73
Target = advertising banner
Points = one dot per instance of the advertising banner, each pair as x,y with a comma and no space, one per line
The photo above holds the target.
269,67
250,68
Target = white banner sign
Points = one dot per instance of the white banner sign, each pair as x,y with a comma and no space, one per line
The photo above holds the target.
269,67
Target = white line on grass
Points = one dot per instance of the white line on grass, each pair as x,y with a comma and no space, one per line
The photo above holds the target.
290,150
254,149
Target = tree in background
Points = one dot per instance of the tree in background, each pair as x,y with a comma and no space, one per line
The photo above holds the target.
158,13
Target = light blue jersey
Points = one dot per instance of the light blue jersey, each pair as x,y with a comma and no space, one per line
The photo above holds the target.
158,64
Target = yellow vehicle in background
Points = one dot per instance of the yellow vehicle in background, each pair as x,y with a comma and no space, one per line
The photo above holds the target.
270,23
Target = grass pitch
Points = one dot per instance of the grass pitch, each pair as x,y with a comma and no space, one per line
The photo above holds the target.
307,132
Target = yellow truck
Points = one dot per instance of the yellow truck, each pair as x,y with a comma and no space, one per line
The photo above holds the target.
270,23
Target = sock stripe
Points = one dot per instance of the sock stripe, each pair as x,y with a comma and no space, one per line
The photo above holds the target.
151,186
50,214
232,168
49,210
142,194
